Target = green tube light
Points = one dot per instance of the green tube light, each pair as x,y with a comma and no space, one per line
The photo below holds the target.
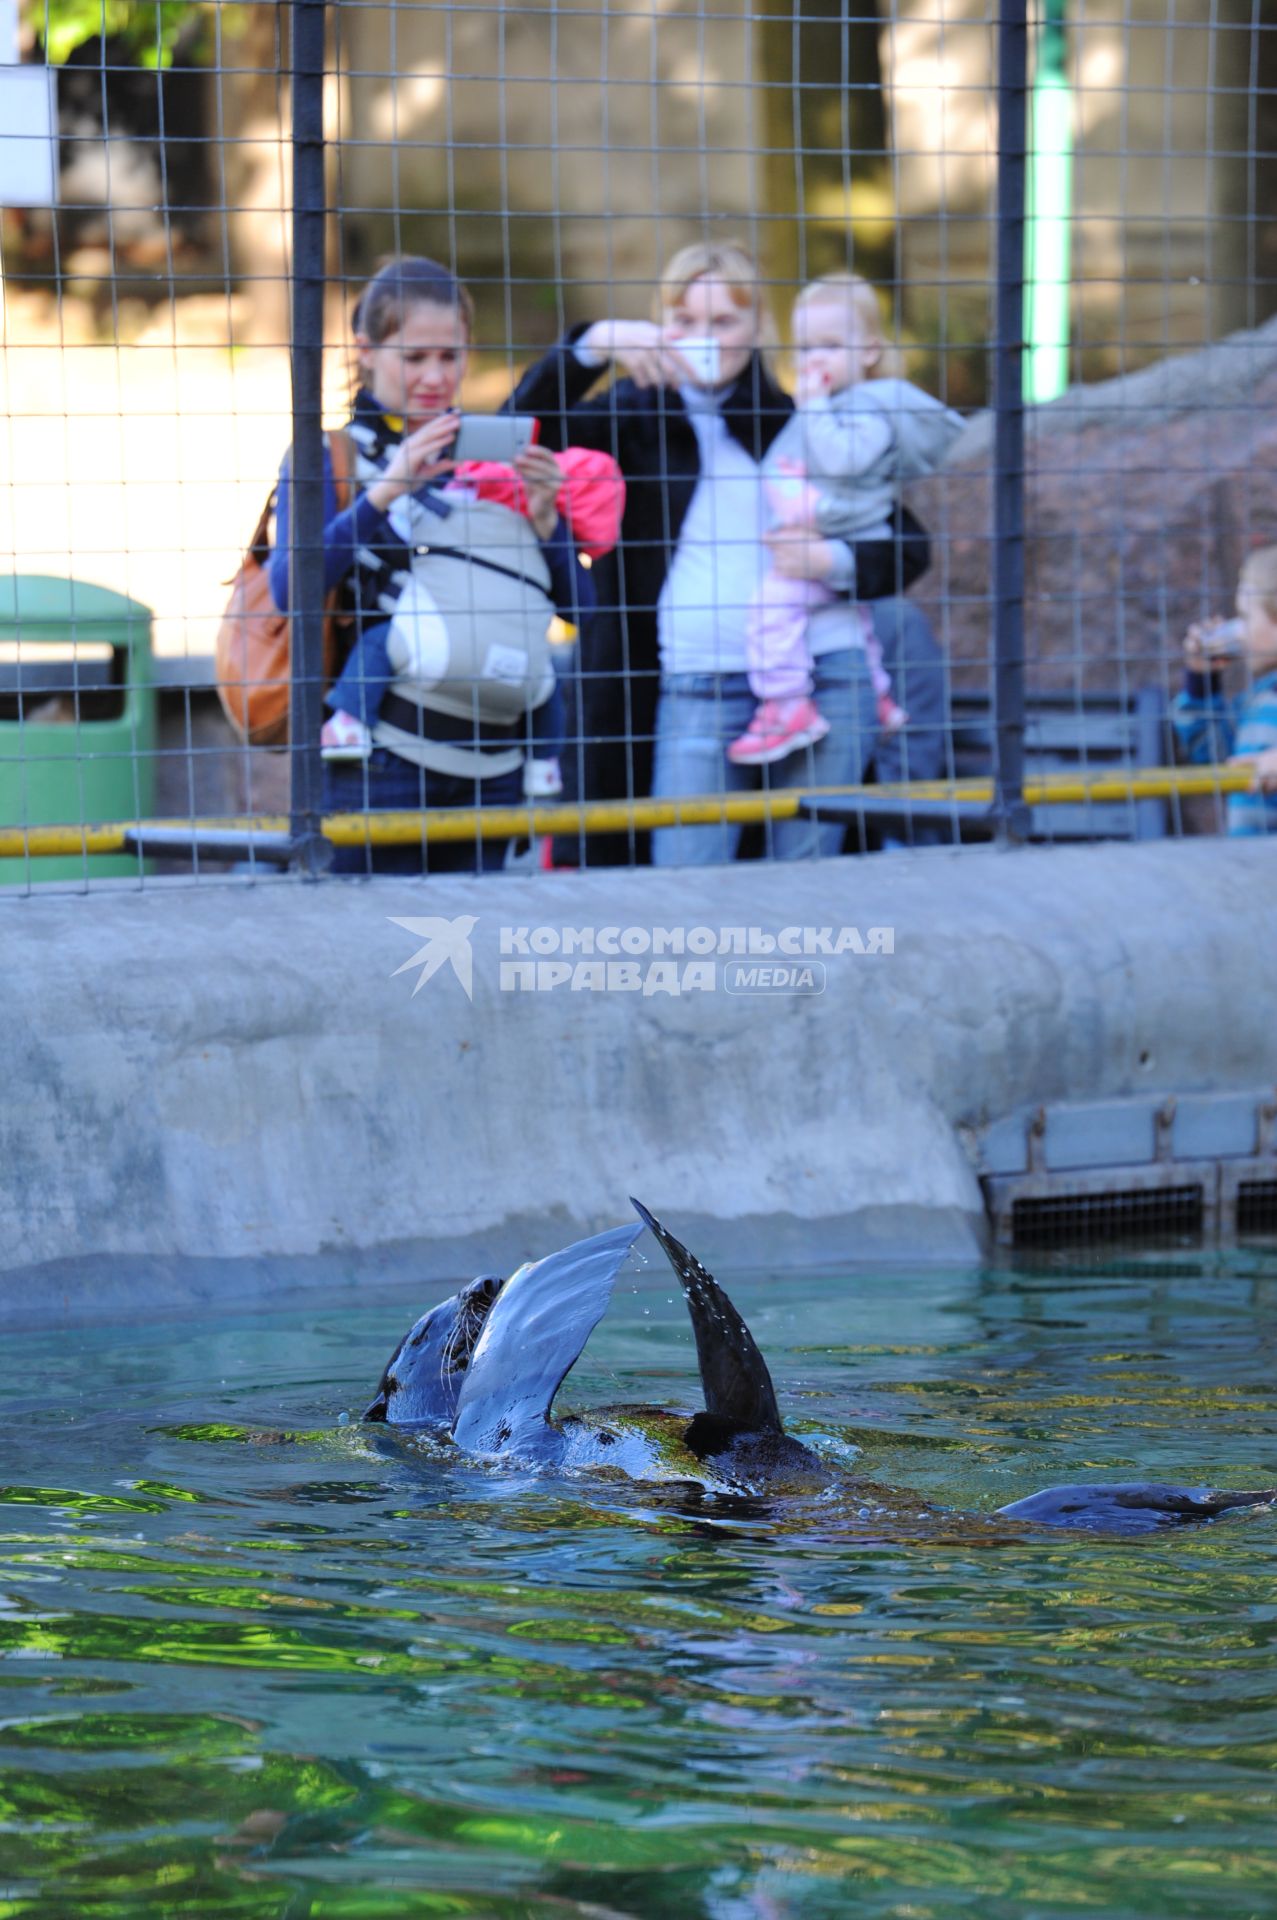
1049,213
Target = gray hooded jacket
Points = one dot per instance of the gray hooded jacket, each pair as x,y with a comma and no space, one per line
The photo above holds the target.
857,448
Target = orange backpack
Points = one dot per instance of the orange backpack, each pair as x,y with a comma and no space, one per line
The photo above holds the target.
253,651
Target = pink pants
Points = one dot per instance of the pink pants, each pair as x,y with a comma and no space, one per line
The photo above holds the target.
776,652
776,644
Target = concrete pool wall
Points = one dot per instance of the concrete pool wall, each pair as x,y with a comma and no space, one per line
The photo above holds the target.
225,1090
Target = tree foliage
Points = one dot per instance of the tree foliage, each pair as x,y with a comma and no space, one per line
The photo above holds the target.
148,29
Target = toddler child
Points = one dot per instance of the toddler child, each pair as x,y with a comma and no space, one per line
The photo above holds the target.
592,502
1209,724
858,432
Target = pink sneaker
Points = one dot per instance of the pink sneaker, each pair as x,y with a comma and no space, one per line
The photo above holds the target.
344,738
778,728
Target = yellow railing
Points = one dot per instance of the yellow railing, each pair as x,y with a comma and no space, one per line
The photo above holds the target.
618,816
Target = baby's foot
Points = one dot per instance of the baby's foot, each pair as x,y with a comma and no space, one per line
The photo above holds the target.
542,779
344,738
778,728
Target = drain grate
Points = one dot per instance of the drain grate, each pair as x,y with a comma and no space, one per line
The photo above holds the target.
1257,1206
1179,1169
1081,1219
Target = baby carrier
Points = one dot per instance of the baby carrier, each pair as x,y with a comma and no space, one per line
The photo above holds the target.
468,634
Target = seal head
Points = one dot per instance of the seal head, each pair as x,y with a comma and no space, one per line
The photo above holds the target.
423,1377
1132,1506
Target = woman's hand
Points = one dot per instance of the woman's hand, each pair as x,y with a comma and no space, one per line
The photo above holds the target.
641,348
417,458
542,478
800,552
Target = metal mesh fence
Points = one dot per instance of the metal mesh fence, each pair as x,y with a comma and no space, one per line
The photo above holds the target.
905,560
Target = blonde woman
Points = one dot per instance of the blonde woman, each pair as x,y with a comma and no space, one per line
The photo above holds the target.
691,418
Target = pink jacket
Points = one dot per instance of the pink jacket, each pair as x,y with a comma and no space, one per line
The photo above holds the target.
592,499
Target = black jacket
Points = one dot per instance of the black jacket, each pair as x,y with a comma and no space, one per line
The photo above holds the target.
648,432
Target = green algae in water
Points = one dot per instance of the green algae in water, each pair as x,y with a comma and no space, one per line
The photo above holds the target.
251,1667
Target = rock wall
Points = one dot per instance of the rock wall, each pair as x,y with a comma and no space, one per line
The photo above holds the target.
1143,496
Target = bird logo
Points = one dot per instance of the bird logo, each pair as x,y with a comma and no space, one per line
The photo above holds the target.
446,941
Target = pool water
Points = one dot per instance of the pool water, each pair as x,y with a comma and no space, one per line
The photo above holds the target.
244,1674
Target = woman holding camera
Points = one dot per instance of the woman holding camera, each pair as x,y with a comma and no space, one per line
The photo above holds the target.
448,596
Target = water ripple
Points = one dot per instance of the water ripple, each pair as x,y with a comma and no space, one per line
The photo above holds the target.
251,1667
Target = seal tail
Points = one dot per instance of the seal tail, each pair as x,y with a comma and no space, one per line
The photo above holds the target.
734,1376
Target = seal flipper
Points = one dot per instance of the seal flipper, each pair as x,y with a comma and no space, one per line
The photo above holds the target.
734,1376
533,1336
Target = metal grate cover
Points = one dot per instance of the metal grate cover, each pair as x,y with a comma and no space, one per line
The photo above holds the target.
1257,1206
1082,1219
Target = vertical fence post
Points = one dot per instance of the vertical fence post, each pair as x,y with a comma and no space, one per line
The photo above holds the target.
1009,810
305,566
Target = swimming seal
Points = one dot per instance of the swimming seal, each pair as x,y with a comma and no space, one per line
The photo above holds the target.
485,1366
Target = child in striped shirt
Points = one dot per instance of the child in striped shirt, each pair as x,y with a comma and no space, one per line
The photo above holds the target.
1213,725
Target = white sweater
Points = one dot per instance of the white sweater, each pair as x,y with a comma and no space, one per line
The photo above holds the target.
720,559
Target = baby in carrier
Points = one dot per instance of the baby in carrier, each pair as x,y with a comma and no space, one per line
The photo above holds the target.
591,502
859,431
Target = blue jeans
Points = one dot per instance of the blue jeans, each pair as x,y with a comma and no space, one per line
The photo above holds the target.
698,717
366,678
911,654
386,783
548,725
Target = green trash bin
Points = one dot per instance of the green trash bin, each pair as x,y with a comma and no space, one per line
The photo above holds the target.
77,717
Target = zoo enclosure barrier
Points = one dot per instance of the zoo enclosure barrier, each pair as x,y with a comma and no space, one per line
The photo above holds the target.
1065,214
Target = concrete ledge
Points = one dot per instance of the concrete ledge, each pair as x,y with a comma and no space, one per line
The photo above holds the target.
235,1074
